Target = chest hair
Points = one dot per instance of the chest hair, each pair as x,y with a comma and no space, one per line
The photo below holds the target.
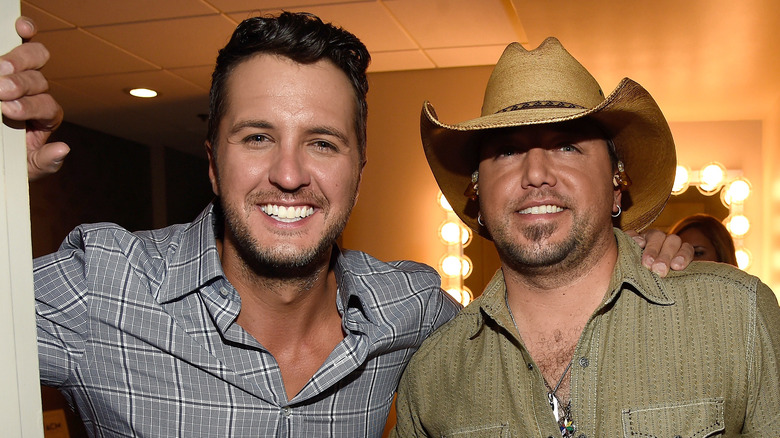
553,350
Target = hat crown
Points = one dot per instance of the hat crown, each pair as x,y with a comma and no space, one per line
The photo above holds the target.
547,76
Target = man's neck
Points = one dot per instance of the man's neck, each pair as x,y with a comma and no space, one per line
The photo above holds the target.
296,319
562,292
277,301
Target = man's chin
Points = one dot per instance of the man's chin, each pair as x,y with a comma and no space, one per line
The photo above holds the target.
293,258
543,251
291,262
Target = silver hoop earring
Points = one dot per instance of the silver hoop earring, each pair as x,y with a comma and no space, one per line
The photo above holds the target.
479,219
618,212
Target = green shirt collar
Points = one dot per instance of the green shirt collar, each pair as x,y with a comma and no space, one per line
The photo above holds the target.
628,275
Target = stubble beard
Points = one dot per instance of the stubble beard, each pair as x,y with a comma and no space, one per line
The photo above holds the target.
541,257
539,252
278,263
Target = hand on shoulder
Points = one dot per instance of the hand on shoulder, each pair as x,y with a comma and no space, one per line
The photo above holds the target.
663,251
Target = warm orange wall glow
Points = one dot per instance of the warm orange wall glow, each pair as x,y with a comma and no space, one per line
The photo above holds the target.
771,163
397,215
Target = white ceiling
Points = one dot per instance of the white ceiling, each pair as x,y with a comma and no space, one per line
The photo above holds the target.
701,59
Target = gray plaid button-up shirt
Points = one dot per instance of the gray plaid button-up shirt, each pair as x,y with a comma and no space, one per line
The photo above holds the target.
138,330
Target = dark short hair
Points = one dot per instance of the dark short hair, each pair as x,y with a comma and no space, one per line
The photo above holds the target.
303,38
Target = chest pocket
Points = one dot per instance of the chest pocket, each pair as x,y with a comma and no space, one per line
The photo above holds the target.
695,419
491,431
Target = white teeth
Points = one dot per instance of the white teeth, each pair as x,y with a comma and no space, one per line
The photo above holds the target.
541,209
287,214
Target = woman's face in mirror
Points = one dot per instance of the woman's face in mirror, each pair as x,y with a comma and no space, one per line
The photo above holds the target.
703,249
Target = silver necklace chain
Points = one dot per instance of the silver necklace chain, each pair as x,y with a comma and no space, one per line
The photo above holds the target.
565,422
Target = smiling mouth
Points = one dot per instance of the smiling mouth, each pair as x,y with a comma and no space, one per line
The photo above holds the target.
541,209
287,214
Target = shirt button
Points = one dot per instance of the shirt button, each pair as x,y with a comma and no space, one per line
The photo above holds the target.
531,366
286,411
223,291
582,435
584,362
677,436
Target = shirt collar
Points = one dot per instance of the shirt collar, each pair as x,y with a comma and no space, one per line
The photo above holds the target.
492,304
192,258
628,274
350,294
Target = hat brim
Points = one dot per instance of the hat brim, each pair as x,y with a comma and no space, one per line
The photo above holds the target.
629,116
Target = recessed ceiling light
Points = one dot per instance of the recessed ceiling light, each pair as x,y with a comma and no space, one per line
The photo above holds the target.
142,92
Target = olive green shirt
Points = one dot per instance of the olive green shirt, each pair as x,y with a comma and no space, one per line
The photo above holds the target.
694,354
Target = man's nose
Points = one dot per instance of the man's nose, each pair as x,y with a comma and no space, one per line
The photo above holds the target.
537,168
288,170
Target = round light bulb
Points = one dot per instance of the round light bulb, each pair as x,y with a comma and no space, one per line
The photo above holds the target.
743,258
680,180
711,177
738,225
444,203
465,264
738,191
451,266
450,233
463,296
465,236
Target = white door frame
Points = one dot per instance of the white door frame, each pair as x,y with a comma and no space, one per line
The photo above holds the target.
20,394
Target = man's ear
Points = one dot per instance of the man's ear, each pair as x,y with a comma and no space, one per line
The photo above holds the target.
359,181
212,168
618,198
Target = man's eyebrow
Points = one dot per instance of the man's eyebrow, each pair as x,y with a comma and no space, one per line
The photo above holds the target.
251,123
328,130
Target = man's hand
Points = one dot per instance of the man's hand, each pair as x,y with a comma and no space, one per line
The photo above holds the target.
662,251
24,98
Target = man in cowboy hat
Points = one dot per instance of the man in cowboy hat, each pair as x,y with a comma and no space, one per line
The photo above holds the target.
572,337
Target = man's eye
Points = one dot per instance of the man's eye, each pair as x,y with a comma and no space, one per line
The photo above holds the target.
569,148
506,151
322,144
255,138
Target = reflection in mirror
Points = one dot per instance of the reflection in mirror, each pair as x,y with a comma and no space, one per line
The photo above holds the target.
687,203
723,200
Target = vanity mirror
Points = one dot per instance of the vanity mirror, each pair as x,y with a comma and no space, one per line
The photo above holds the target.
715,191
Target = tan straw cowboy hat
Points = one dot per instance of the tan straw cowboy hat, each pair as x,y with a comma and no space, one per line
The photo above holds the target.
547,85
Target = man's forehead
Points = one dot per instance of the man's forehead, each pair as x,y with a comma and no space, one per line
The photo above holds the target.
272,63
